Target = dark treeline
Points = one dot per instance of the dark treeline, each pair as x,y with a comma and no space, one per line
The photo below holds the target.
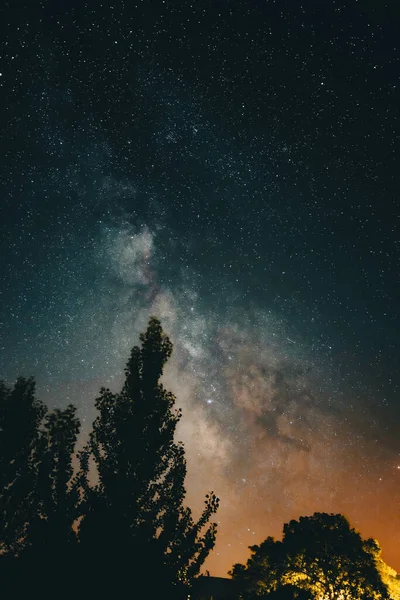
116,525
111,521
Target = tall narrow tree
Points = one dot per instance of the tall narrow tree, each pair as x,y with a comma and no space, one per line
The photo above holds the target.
136,525
51,529
50,541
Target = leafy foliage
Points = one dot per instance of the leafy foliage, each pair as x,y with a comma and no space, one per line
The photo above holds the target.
135,513
321,555
56,499
134,525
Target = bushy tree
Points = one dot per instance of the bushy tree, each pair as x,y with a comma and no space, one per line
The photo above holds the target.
322,555
331,555
136,528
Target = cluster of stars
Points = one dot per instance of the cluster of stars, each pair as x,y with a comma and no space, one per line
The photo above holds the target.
233,170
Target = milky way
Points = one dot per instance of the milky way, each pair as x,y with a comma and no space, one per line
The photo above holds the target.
234,175
263,423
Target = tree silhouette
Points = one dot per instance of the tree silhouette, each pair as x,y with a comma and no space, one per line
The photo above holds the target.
37,504
265,570
20,416
50,535
322,555
332,556
136,526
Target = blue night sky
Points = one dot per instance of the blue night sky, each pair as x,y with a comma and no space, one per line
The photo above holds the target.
232,168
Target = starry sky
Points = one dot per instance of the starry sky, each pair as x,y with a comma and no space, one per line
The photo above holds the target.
232,168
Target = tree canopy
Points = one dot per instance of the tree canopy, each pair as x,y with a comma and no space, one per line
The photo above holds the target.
119,521
135,515
321,555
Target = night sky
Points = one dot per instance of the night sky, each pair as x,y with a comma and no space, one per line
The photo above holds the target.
232,167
